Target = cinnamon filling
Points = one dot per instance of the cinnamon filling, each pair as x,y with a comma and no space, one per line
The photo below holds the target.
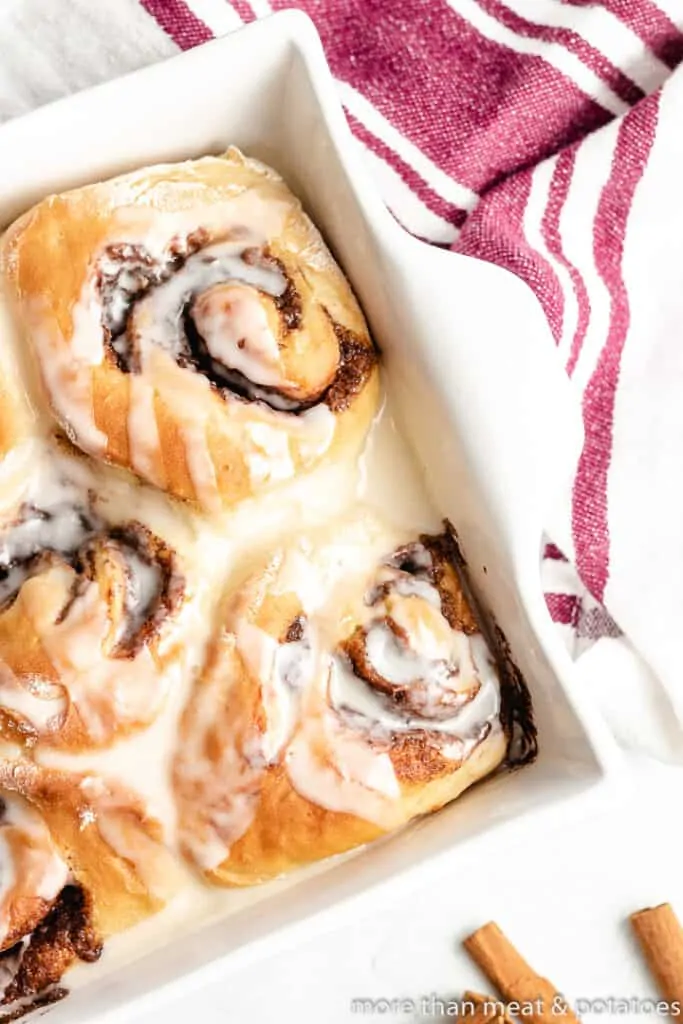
40,536
137,569
412,664
425,664
129,274
126,273
295,630
36,965
153,586
419,687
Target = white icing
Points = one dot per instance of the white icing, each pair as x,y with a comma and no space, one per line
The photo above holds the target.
267,453
356,780
224,781
110,814
107,692
335,766
15,472
66,365
234,325
348,691
62,531
199,462
398,664
30,867
314,574
8,876
155,317
55,517
143,433
246,207
144,581
87,342
37,700
419,556
283,670
410,586
314,430
485,665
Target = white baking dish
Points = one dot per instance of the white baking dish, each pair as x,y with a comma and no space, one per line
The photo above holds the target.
482,399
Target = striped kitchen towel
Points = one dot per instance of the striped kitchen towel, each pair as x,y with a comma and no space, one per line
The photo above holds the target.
544,136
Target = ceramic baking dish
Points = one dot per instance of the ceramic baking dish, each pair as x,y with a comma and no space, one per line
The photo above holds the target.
481,398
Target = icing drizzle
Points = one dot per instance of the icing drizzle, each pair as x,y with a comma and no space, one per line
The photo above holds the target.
373,665
63,526
82,602
201,304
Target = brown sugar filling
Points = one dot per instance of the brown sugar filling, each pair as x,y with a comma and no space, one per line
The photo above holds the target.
137,548
130,272
66,934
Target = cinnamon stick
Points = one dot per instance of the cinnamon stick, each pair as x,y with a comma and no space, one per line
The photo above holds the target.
526,993
660,935
480,1009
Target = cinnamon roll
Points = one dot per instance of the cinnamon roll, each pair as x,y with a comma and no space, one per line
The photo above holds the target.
350,690
190,325
80,859
91,615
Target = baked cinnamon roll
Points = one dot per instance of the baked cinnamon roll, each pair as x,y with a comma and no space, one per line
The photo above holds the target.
80,859
350,690
91,615
190,325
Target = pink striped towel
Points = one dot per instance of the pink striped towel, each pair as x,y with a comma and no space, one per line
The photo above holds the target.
542,135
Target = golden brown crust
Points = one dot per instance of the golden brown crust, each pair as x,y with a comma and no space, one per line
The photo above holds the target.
102,831
290,831
25,912
80,859
182,428
11,421
237,786
17,422
454,601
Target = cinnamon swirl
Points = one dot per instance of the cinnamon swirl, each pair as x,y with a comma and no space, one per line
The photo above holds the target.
350,690
80,859
190,325
91,615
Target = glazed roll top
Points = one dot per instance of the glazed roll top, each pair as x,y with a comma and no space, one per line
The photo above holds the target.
80,859
90,616
351,689
33,872
190,324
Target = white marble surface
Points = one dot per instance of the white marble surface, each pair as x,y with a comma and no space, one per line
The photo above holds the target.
562,898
